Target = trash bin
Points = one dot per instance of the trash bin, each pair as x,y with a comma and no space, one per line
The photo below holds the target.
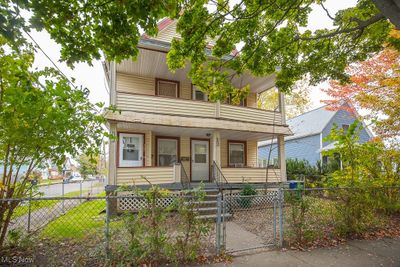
293,184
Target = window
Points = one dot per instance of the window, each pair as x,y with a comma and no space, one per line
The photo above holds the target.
130,150
345,127
167,151
198,94
167,88
237,154
242,102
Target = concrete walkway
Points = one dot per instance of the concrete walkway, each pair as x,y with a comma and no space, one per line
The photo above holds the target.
363,253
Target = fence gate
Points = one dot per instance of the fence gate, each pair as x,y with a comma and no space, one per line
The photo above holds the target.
250,222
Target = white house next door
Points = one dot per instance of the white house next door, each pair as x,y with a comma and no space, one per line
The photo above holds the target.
200,160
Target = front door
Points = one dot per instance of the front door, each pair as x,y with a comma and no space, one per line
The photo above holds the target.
131,150
200,160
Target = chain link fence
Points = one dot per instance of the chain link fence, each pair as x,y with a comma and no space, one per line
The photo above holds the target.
84,231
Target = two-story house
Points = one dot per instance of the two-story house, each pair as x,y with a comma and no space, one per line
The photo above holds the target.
309,132
169,132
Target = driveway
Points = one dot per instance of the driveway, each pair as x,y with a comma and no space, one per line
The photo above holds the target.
55,190
356,253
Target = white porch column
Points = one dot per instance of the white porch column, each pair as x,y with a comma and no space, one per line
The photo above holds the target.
112,156
282,109
216,148
281,157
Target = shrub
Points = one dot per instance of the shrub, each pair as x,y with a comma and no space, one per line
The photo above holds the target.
151,240
247,191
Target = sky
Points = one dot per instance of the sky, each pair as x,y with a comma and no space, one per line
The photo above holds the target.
93,77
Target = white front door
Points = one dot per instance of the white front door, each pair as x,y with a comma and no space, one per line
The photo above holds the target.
200,160
130,150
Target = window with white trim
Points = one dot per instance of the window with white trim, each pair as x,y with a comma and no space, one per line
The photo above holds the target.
130,150
167,88
237,154
167,151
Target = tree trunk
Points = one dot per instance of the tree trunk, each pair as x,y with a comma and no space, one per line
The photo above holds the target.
390,9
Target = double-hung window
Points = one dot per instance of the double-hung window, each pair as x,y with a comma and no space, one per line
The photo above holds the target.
237,153
167,151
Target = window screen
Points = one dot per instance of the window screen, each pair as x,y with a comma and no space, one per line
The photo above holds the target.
167,152
167,88
236,154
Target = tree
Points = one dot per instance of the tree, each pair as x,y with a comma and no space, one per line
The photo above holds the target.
270,35
89,165
297,101
374,86
42,117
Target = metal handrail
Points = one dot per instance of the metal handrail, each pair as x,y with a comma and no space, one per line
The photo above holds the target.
185,181
217,175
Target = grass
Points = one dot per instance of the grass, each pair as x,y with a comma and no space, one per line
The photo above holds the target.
78,222
39,204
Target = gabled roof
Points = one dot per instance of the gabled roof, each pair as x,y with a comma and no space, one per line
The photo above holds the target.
314,122
311,122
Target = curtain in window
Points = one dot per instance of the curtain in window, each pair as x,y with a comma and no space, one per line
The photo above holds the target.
167,152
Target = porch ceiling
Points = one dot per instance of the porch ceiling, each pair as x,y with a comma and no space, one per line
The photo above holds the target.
151,63
192,132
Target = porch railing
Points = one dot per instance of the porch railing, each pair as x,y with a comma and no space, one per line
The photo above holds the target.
219,178
185,181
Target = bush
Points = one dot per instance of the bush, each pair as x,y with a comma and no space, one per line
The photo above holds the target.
247,191
151,240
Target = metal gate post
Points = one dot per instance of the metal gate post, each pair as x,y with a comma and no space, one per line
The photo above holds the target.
218,226
274,224
224,212
107,229
280,208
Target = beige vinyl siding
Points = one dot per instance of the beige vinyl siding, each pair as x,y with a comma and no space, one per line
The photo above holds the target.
252,153
185,152
168,33
135,84
252,100
156,175
224,152
186,90
148,147
250,175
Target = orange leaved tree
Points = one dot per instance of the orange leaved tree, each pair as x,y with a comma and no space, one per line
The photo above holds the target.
374,86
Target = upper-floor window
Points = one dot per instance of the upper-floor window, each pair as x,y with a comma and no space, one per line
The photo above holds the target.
237,153
167,88
198,94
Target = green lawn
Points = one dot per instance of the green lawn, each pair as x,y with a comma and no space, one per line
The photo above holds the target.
83,220
39,204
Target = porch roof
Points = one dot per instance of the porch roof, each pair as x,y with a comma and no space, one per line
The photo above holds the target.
203,133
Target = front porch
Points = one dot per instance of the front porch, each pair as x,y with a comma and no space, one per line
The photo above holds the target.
178,157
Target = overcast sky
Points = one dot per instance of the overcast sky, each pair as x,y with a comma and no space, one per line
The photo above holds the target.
93,78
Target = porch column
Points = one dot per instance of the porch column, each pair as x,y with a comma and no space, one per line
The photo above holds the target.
112,155
282,107
281,157
216,148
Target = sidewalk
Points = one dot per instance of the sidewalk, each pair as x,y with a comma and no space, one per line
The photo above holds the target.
363,253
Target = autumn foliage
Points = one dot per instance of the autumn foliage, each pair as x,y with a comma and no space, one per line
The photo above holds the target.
374,86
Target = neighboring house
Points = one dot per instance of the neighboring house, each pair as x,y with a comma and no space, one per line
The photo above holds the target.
309,130
168,131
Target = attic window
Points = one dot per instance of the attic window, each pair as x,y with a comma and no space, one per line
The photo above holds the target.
167,88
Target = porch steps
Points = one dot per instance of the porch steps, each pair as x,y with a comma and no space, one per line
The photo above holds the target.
207,208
